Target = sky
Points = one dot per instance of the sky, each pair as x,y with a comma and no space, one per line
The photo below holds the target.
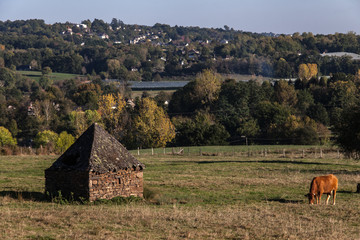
277,16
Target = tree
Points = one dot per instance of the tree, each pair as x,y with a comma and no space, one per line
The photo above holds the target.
87,95
307,71
63,142
285,94
46,71
318,113
199,131
7,76
207,86
152,126
46,139
78,121
271,118
114,67
282,69
6,138
347,131
112,112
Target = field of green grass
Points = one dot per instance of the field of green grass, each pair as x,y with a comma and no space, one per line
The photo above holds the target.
227,195
36,75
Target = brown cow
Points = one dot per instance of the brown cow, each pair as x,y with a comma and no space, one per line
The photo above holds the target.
323,184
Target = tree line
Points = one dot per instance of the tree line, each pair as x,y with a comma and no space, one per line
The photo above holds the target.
209,110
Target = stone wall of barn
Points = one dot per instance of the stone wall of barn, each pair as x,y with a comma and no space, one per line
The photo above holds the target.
71,183
123,183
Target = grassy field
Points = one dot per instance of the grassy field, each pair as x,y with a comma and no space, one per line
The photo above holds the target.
36,75
226,196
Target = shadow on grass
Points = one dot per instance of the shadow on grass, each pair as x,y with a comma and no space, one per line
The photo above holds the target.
345,191
282,200
266,161
31,196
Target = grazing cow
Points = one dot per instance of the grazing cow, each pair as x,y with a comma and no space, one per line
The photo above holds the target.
323,184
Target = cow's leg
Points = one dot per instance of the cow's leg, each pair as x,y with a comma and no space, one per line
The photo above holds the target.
327,199
334,196
320,197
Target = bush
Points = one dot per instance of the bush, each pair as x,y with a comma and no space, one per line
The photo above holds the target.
64,141
6,138
46,139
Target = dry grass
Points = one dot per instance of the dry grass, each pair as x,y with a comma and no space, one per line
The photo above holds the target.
228,197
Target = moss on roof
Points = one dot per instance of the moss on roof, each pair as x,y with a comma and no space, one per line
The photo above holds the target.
96,150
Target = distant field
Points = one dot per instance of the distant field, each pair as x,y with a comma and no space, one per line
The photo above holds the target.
226,196
36,75
152,93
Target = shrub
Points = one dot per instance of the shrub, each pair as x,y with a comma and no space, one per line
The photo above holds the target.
46,139
6,138
64,141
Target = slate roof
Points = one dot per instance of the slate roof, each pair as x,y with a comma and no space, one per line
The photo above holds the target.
96,150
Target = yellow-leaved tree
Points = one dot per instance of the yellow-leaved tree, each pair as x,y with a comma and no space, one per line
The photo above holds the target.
307,71
313,69
153,127
207,86
81,120
113,114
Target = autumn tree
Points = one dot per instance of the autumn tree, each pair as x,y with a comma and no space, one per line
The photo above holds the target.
113,113
6,138
207,86
285,93
307,71
63,142
153,128
47,139
81,120
197,94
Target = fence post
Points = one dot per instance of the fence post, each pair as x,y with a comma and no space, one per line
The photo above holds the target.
338,153
284,152
303,153
138,151
164,151
321,153
200,152
152,151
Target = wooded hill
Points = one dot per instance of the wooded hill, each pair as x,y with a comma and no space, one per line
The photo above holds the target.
134,52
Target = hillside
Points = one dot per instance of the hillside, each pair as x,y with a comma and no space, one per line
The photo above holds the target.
133,52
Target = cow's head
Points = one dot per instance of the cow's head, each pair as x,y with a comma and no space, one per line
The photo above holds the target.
311,197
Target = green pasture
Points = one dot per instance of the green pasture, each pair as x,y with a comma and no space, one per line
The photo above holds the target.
226,195
36,75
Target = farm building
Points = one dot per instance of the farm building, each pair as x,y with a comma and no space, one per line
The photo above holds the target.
96,166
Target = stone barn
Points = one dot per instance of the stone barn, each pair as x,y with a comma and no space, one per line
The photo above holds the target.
96,166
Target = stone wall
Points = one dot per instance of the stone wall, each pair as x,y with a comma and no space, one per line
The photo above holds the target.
123,183
69,182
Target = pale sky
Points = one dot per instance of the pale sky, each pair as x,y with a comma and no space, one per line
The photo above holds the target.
278,16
